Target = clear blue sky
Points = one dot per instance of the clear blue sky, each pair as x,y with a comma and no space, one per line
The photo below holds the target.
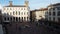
34,4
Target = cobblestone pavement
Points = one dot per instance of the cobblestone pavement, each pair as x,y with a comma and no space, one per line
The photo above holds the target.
28,28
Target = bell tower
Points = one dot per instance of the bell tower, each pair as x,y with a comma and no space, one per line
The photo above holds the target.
26,3
10,3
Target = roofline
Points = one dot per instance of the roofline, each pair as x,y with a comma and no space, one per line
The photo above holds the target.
56,4
42,9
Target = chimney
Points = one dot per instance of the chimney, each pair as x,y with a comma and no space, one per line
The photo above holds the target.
10,3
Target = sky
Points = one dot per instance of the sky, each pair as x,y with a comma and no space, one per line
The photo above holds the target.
33,4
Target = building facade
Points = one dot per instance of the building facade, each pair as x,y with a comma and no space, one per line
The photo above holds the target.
0,14
39,14
16,13
32,15
54,12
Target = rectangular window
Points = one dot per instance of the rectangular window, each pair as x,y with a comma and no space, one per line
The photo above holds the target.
19,18
58,13
27,18
7,18
49,13
49,10
11,18
53,18
4,18
53,13
50,18
59,19
58,8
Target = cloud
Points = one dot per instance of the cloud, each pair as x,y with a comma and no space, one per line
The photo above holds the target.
0,6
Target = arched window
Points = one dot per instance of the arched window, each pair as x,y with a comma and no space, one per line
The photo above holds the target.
22,18
13,13
5,18
10,18
27,18
16,12
13,18
19,13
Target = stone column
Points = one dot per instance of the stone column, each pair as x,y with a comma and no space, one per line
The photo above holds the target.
15,19
18,19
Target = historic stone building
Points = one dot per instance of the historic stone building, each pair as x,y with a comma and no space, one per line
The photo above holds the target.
54,12
39,14
16,13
